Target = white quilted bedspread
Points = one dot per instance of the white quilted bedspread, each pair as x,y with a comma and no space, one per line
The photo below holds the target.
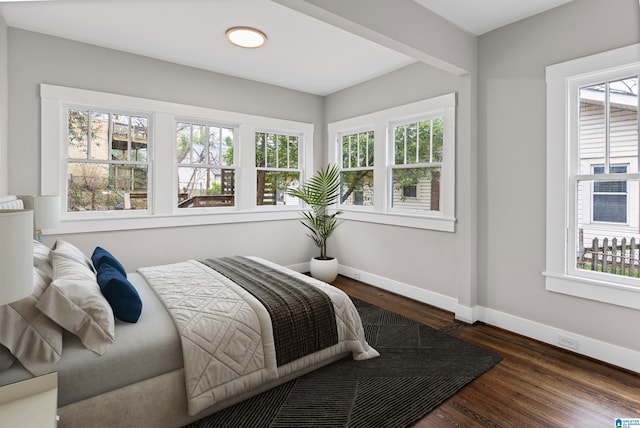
227,340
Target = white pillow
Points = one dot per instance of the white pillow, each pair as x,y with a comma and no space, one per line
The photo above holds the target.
69,251
41,258
74,300
34,339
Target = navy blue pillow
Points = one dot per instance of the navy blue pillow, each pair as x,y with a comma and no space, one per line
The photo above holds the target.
120,293
101,256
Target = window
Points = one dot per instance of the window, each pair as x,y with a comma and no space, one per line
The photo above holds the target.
277,168
356,175
410,190
107,160
137,163
593,214
412,181
417,165
610,197
206,172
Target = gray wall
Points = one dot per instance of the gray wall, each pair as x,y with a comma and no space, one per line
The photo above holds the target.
505,238
4,107
430,260
35,58
497,252
512,163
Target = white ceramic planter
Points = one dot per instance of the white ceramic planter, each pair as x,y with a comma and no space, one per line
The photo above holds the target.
324,270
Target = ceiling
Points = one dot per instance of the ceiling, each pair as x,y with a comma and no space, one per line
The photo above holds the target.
192,33
481,16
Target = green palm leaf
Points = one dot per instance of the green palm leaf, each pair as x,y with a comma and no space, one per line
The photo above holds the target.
320,192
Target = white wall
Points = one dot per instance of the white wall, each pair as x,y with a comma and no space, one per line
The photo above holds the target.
512,164
35,58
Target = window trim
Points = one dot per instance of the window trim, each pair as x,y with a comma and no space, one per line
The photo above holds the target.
423,165
162,210
208,124
300,169
560,273
340,159
66,106
380,122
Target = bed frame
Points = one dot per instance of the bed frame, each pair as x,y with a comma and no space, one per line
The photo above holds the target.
159,402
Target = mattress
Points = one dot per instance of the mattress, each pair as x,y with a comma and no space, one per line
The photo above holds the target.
146,349
228,335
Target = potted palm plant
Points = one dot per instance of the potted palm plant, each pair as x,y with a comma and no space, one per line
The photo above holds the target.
320,192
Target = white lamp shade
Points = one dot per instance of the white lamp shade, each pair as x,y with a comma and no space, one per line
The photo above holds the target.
47,211
16,255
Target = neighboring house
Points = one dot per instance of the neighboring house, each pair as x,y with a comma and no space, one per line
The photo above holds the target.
423,195
609,209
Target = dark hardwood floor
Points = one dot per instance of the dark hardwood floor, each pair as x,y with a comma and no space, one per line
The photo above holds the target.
535,385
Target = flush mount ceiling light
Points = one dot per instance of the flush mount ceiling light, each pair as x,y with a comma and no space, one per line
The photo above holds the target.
246,37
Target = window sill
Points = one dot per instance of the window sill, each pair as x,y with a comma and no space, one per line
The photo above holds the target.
86,225
443,224
601,291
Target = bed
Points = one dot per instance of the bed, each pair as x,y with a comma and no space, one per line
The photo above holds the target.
200,335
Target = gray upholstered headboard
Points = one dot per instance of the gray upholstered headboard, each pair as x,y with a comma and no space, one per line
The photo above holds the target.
16,202
11,202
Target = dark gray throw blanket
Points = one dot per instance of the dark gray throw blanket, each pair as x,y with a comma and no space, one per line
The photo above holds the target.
302,316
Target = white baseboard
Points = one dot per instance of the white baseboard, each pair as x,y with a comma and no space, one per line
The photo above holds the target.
584,345
416,293
300,267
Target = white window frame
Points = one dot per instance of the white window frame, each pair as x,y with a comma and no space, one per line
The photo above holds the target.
200,122
380,122
561,274
67,160
339,159
162,208
392,166
300,169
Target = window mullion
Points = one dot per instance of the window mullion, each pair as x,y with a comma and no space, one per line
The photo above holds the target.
205,158
190,149
288,152
266,150
404,135
350,156
430,140
417,142
110,137
129,138
88,133
220,147
607,129
207,147
277,150
211,130
638,124
366,150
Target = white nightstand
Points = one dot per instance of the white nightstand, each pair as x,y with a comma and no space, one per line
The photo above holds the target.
32,403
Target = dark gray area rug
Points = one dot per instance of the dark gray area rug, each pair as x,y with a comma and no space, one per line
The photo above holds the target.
418,369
